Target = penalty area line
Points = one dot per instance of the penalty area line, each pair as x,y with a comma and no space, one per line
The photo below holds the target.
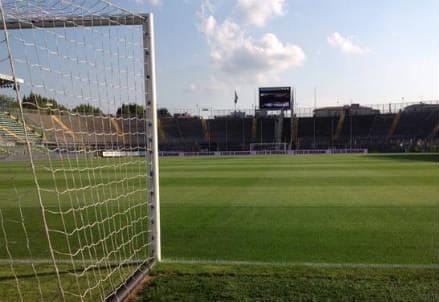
302,264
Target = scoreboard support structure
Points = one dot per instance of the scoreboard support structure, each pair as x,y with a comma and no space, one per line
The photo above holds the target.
293,126
279,99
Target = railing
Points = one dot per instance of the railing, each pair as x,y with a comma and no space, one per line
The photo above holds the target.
299,111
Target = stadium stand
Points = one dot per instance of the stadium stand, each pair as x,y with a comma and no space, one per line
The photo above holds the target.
265,131
416,124
305,132
239,134
412,129
192,133
381,125
394,126
182,134
170,129
218,134
13,131
133,131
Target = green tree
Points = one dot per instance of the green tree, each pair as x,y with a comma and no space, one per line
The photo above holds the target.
131,110
88,109
36,101
7,101
163,112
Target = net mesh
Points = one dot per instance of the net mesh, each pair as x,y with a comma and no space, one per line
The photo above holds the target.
75,220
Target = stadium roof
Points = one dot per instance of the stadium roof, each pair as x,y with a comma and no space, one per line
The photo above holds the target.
339,108
7,81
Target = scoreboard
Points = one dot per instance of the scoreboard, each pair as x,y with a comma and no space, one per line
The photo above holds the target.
275,98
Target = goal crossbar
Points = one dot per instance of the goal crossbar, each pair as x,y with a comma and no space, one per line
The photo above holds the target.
74,21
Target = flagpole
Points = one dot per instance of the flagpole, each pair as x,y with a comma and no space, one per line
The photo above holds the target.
236,99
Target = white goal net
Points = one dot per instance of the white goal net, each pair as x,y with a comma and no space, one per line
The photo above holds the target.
77,84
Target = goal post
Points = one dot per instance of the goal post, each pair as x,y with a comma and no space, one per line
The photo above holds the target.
152,135
84,83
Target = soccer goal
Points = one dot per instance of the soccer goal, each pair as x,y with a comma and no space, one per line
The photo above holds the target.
76,225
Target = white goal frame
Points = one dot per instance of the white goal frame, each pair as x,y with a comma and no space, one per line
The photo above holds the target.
151,154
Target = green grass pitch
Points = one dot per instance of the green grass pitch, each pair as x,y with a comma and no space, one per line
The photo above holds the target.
282,212
336,209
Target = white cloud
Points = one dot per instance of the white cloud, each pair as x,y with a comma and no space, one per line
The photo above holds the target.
258,12
345,45
241,56
206,85
191,88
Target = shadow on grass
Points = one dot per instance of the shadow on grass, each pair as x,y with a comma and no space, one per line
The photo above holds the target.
424,157
30,275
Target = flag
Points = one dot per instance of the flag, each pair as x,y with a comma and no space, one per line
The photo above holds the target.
236,97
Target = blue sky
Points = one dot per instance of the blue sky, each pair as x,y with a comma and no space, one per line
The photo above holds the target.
365,52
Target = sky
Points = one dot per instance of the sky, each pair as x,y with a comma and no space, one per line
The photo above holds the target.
342,51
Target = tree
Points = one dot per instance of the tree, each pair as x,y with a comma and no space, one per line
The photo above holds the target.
131,110
36,101
7,102
88,109
163,112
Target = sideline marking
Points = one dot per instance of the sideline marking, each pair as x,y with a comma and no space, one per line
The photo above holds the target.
309,264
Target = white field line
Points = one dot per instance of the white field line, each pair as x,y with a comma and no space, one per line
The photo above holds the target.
306,264
232,262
